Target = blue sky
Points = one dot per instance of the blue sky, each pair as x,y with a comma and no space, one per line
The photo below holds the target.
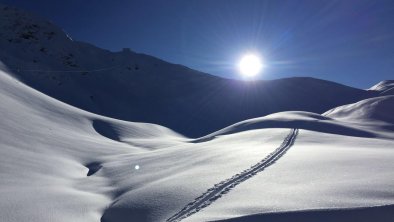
350,42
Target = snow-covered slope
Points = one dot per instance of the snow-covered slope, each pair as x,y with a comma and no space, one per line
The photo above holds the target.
384,87
137,87
59,163
378,111
373,121
323,177
46,150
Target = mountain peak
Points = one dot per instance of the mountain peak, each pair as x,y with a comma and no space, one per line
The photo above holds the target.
385,87
25,28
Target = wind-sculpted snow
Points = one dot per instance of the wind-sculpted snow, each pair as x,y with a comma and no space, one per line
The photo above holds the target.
385,87
225,186
292,119
368,110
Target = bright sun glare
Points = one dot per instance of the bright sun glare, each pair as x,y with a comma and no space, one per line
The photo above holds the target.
250,65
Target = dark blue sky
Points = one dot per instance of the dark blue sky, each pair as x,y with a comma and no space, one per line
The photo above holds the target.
350,42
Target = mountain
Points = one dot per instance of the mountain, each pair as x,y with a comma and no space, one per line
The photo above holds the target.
384,87
137,87
326,156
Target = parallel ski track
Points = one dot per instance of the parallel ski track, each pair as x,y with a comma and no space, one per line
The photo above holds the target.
225,186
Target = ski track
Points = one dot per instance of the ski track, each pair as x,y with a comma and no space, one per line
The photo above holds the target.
225,186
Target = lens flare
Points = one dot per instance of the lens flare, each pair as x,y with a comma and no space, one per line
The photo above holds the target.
250,65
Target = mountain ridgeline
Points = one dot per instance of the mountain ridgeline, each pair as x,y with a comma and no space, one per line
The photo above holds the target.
137,87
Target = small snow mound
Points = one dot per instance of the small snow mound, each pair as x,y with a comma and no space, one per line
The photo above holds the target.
384,87
296,115
120,130
374,109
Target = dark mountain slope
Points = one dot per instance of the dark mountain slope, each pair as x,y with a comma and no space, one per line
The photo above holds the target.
137,87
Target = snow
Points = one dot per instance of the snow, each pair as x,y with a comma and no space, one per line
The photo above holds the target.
369,110
81,166
384,87
321,171
323,123
374,115
45,148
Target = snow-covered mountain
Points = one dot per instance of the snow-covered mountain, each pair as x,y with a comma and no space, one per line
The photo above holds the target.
384,87
136,87
59,162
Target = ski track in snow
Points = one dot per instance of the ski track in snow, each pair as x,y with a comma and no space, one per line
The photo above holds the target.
225,186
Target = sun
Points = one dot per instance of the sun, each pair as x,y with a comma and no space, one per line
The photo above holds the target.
250,65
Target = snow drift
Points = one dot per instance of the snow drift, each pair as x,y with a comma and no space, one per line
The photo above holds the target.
379,109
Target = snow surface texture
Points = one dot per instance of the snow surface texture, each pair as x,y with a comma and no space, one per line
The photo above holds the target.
225,186
136,87
317,178
377,111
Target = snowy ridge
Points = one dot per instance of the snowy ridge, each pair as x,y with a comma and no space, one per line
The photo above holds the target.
377,111
225,186
384,87
297,119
